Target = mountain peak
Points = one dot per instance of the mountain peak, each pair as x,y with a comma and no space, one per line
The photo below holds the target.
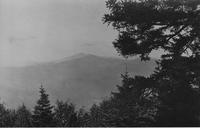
75,56
80,55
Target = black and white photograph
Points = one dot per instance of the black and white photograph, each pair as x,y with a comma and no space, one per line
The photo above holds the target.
99,63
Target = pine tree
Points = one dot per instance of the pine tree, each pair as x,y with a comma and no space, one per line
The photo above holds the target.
96,117
172,26
7,116
133,101
131,105
65,114
83,118
42,115
23,117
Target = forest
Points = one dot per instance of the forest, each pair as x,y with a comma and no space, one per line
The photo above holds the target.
168,97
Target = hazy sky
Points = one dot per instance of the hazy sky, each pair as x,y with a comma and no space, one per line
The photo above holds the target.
33,31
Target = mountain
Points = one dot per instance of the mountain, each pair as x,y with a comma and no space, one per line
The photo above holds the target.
84,79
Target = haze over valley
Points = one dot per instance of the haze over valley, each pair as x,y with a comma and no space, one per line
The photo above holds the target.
82,78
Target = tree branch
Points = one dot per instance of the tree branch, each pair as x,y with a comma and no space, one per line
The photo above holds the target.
171,36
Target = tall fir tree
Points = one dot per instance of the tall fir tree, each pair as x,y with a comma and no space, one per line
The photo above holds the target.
42,115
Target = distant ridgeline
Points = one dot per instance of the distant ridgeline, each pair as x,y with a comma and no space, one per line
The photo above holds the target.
84,79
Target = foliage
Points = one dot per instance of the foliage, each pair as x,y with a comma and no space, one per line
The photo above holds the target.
83,118
23,117
7,116
147,25
179,92
132,105
173,26
65,114
42,115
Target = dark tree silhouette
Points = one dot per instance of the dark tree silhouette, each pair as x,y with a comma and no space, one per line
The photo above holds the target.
179,92
42,115
173,26
7,116
65,114
23,117
136,101
96,117
83,118
131,105
147,25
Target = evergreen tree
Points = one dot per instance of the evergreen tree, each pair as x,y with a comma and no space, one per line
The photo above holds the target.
147,25
65,114
42,115
83,118
7,116
96,117
23,117
179,92
131,105
173,26
137,100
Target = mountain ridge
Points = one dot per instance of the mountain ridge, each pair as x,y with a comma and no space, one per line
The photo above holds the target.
85,79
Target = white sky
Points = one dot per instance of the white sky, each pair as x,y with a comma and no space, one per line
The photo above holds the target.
33,31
